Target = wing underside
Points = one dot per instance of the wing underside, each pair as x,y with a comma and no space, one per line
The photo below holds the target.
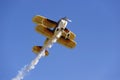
43,20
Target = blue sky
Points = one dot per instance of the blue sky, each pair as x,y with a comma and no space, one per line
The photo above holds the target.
96,24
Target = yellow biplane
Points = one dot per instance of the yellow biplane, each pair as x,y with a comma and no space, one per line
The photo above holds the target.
47,28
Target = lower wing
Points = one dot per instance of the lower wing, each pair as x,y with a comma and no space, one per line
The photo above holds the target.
49,33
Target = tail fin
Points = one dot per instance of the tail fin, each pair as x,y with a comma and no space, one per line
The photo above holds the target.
37,49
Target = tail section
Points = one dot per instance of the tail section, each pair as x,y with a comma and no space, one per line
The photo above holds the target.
37,49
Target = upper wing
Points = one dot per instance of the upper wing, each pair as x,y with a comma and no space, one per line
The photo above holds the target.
43,20
49,33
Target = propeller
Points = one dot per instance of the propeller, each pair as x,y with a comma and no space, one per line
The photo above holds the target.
65,18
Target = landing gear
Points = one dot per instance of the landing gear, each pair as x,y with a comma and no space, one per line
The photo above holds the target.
67,35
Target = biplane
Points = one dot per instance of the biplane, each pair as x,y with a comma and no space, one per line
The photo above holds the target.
49,27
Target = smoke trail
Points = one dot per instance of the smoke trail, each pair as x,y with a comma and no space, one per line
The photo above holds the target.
29,67
34,62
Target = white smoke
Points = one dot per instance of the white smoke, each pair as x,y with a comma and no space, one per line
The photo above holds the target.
29,67
34,62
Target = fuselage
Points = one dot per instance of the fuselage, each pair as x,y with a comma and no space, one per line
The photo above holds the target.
58,32
62,23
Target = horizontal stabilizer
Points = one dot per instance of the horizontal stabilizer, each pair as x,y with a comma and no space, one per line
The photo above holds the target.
37,49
